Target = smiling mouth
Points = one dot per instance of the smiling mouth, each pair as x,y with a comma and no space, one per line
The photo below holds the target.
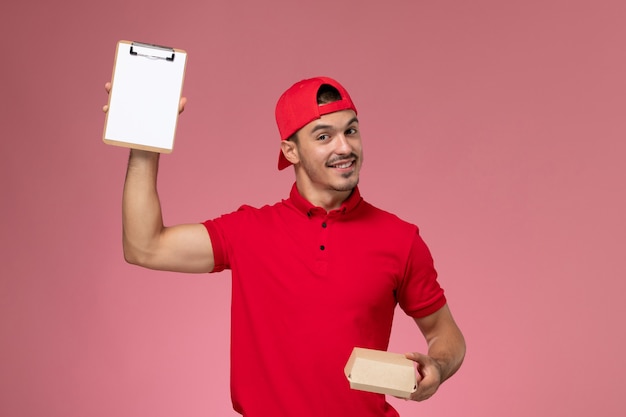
343,165
344,162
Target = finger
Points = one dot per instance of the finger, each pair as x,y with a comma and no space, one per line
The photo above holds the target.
181,104
421,395
416,357
107,87
425,389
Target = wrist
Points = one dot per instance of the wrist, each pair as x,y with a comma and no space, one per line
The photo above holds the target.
141,154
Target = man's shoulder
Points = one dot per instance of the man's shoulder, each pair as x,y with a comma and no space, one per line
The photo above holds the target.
248,211
248,218
266,208
385,216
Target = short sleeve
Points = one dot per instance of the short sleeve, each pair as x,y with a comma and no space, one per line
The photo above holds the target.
220,257
419,293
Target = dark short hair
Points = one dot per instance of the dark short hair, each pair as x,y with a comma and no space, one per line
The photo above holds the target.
327,94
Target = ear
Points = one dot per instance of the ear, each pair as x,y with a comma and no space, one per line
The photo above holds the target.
290,151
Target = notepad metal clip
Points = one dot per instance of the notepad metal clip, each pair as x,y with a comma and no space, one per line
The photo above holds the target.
152,51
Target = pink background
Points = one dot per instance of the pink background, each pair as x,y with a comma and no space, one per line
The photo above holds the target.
498,127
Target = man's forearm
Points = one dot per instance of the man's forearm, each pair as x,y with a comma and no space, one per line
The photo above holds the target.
446,344
142,220
448,351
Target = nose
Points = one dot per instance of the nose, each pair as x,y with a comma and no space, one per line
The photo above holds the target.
343,146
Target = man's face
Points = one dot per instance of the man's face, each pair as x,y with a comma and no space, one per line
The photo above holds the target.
330,153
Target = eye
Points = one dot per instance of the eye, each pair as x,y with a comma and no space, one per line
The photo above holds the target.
323,137
351,131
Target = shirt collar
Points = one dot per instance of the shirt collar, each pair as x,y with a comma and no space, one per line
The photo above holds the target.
304,206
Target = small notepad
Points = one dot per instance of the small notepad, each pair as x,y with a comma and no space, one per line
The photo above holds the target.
145,93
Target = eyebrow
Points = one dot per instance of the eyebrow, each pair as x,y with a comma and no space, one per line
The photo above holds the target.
322,127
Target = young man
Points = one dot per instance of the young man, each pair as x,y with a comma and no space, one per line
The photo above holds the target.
312,276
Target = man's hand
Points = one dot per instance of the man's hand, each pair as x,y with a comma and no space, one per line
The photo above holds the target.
181,104
446,350
429,376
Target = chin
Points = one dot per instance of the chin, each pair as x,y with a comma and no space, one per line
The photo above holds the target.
347,185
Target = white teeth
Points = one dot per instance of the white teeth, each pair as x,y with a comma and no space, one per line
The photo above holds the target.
346,165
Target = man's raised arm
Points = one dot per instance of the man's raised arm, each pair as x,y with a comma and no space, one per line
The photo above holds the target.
146,241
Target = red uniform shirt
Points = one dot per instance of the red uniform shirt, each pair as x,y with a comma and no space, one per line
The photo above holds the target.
308,286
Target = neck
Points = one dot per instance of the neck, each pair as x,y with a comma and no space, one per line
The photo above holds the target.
328,199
